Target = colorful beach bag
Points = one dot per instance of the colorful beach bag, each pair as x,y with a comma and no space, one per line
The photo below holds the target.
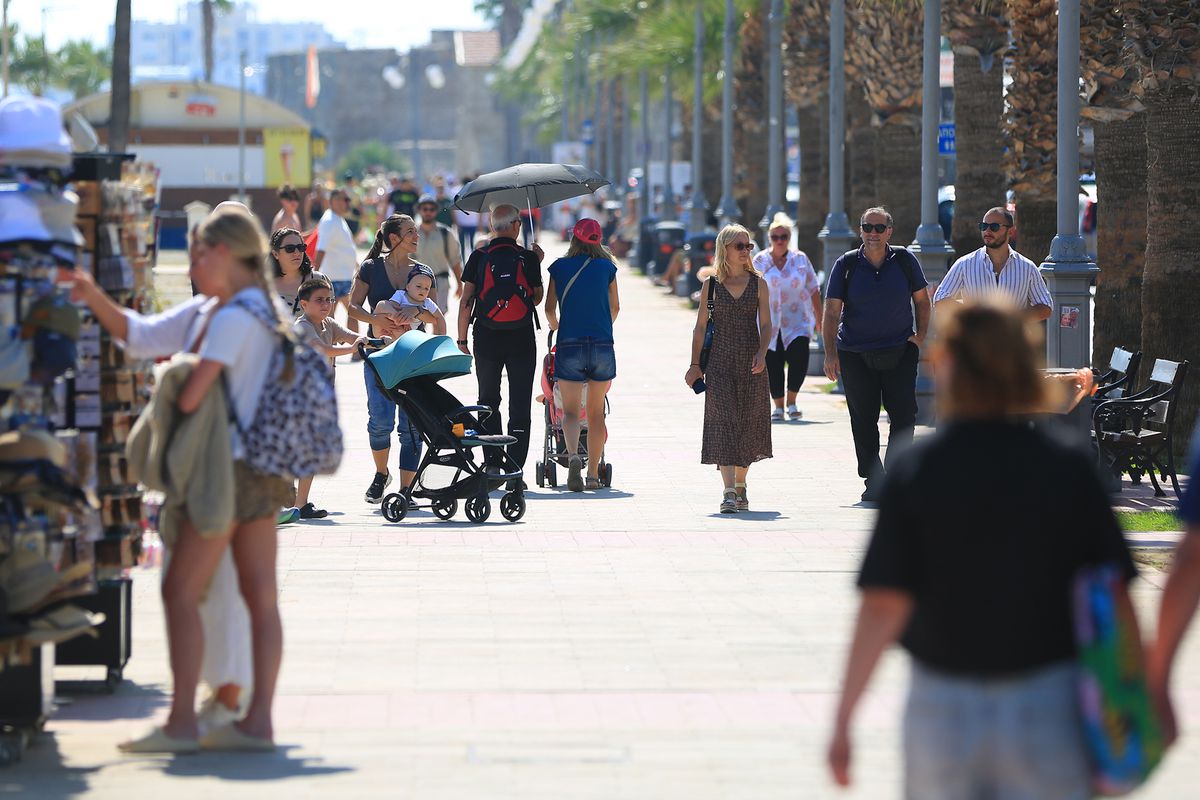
1122,731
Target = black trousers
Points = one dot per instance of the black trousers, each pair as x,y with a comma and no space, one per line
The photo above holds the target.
512,350
795,355
866,389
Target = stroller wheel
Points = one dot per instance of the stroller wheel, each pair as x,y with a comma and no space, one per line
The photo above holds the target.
512,506
445,509
551,474
606,475
479,509
540,474
394,507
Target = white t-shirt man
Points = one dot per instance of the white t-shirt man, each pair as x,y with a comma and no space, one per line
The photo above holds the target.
335,239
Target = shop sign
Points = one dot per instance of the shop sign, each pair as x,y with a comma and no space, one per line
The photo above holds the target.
201,105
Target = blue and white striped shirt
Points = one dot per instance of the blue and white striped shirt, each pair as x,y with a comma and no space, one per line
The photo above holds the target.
1018,280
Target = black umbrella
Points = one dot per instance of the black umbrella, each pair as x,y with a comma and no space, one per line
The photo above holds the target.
529,185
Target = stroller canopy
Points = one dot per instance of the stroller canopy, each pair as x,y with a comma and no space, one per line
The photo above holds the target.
417,354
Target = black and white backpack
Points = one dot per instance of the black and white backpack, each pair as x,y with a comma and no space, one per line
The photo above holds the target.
295,431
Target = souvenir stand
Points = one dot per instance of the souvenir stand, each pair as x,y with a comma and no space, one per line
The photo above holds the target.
64,531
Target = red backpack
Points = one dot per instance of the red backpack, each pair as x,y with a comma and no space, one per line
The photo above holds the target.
505,297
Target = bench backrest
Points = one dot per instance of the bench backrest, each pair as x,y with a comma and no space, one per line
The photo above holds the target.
1120,360
1166,377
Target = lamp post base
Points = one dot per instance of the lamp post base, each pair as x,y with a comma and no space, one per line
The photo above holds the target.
1069,275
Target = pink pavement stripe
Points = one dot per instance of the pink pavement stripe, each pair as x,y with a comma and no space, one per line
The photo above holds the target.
540,711
395,535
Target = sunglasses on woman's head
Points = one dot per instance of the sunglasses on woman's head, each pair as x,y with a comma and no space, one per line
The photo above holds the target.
742,246
293,248
877,228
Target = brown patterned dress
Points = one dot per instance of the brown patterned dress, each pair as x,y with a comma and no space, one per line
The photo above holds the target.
737,405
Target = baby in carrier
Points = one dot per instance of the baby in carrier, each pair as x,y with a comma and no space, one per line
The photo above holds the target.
416,294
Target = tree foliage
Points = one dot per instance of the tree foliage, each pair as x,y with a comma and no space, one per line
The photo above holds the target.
374,156
78,66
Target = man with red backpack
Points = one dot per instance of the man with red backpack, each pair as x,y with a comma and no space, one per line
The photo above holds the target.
502,287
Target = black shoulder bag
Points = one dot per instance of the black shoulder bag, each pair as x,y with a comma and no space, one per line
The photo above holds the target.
706,348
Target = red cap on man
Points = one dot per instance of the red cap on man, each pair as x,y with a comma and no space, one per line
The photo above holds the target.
587,230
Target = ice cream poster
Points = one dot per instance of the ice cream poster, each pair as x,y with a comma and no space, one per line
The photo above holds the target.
287,153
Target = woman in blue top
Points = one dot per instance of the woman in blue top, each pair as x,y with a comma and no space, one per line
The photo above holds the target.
584,284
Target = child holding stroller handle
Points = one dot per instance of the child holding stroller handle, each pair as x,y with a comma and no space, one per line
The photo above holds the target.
582,305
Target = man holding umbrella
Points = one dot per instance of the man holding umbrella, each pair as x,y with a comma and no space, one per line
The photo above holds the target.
502,287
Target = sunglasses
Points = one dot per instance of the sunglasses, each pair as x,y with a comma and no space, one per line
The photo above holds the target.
293,248
743,246
780,237
877,228
992,226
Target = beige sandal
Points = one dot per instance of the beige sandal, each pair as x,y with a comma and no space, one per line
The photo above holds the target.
157,741
229,739
742,502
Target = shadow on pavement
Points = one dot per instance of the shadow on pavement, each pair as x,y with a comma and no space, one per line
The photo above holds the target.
90,702
43,775
751,516
249,766
564,493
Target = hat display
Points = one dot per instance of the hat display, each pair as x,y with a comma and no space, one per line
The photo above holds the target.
587,230
52,313
32,123
58,211
32,445
20,219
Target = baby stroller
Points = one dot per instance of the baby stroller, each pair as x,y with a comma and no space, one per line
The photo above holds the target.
408,371
554,443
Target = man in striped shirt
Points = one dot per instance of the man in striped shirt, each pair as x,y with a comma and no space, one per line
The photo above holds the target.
997,268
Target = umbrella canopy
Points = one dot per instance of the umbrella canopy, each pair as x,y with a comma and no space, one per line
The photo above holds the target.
417,354
528,185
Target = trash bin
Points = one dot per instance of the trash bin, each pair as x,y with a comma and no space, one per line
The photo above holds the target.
668,237
699,251
645,243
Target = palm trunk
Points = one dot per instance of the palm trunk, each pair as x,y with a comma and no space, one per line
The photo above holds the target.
1037,224
1120,235
814,193
208,20
118,126
979,139
860,156
1171,282
898,178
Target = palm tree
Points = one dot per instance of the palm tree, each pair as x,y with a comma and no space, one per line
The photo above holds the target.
1161,49
887,58
208,18
82,67
978,34
32,65
1031,123
806,83
118,126
750,118
1120,156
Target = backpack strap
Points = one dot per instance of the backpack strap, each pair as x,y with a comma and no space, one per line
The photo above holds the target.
445,241
712,288
563,300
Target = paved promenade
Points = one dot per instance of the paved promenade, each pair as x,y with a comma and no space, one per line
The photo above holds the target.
629,643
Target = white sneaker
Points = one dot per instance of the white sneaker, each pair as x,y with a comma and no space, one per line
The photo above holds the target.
213,715
794,413
777,415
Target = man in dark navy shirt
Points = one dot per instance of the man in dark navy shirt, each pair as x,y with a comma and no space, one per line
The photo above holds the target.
869,302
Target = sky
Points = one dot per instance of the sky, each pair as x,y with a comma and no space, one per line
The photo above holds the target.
358,23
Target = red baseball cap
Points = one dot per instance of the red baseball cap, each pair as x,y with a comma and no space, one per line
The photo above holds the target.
587,230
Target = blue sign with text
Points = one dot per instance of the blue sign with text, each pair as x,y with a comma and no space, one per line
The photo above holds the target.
946,138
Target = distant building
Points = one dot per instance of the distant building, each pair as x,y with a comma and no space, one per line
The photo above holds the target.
368,95
175,50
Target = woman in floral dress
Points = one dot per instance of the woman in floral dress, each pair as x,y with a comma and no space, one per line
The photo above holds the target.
737,422
795,314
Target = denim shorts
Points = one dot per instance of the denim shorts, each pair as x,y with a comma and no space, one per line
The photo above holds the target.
582,360
1001,739
341,288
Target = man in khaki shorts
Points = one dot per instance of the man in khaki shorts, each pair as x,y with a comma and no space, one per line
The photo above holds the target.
438,250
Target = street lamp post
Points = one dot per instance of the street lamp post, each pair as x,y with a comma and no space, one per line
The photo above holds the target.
242,127
836,235
610,133
930,246
728,210
668,201
414,82
646,193
1068,270
774,118
699,205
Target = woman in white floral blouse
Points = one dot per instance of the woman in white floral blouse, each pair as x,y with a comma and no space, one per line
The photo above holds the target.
795,314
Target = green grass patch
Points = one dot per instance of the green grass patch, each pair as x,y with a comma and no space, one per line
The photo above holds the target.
827,388
1143,521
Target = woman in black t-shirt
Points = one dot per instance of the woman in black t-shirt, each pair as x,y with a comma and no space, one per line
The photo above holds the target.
982,529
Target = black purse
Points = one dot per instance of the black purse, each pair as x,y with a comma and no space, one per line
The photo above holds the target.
706,348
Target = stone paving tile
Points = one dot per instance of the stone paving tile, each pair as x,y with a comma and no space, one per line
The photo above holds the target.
626,644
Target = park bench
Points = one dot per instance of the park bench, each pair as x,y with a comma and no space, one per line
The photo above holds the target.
1135,434
1118,380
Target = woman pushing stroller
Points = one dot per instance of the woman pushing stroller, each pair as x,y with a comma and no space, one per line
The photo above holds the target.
582,305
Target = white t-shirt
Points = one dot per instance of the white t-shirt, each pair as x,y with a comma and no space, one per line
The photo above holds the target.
402,299
240,341
334,237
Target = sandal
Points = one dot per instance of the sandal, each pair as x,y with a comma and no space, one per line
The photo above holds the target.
729,503
591,483
230,739
743,502
157,741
